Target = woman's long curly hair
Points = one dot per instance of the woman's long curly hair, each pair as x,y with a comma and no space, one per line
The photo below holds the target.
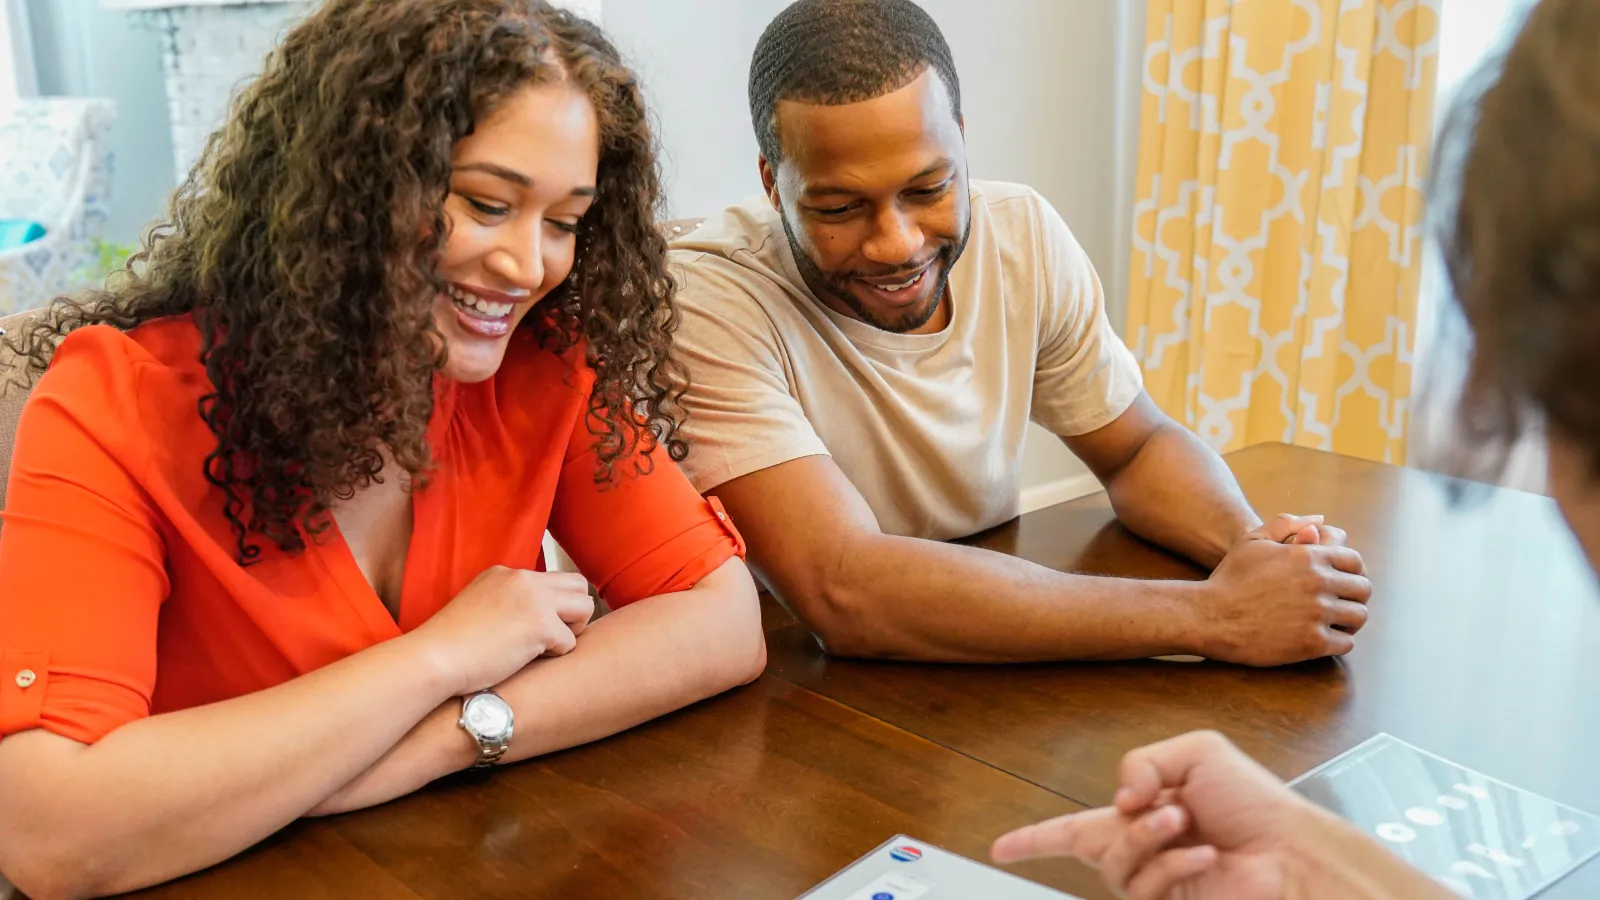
304,243
1518,198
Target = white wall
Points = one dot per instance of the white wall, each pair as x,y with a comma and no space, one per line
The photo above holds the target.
1049,91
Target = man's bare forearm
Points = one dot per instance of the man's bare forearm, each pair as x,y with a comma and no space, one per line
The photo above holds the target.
1179,494
906,598
815,541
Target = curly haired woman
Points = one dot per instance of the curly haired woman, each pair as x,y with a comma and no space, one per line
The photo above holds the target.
409,311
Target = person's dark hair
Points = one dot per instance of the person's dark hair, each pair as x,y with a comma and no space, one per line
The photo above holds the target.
832,52
1519,200
305,241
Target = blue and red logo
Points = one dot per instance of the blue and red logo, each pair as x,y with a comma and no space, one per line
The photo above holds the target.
905,853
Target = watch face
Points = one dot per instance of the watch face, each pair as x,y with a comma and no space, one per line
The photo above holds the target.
489,717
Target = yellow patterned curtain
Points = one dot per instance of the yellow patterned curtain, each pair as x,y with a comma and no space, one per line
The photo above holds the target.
1277,246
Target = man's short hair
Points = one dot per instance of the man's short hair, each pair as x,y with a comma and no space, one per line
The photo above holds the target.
832,52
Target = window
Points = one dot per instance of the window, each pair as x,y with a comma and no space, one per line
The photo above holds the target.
16,56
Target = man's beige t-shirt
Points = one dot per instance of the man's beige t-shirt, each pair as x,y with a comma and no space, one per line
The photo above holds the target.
928,427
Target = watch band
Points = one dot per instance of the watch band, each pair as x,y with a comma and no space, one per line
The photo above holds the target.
489,753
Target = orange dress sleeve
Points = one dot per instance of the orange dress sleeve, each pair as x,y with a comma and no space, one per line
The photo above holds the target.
82,556
640,535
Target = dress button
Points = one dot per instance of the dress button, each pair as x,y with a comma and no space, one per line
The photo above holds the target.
26,678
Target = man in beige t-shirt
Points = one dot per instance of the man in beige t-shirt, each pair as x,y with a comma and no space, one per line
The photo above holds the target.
928,426
866,343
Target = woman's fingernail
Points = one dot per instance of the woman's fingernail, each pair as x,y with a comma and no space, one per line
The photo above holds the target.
1124,796
1163,819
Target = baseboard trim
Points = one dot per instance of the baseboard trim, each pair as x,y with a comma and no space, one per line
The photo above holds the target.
1059,491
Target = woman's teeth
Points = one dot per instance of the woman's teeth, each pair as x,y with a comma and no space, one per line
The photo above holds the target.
480,305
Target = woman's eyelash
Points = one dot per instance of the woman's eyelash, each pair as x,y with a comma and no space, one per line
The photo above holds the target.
485,208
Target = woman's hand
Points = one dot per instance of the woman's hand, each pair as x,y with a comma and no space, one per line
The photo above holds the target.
642,660
502,621
172,793
1196,819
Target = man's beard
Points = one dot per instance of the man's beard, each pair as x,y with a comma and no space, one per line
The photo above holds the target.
838,286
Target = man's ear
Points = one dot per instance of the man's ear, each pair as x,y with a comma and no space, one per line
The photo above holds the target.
769,182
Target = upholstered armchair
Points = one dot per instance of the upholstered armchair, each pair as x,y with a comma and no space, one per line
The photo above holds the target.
55,169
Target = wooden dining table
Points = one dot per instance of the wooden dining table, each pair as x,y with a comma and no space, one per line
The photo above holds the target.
1481,647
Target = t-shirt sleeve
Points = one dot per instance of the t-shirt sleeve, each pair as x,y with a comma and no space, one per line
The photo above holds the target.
742,418
82,558
1085,377
644,532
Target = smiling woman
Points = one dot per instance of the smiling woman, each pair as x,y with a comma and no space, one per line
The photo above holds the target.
552,131
409,312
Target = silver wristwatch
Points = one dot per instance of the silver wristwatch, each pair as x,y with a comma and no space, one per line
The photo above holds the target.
488,719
